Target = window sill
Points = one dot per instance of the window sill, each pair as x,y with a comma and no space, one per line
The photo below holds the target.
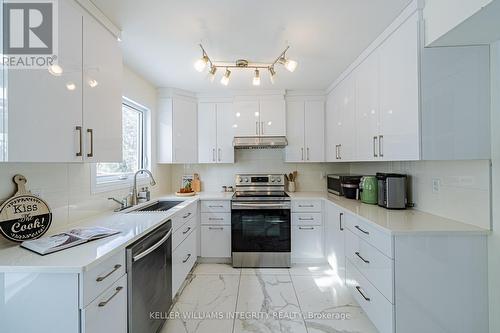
117,185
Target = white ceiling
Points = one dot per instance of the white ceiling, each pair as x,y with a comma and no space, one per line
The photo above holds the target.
160,37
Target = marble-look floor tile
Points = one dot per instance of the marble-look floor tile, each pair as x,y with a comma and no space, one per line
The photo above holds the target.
216,269
303,269
271,298
265,271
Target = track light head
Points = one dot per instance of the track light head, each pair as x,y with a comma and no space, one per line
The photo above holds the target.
256,78
272,74
211,73
225,78
201,63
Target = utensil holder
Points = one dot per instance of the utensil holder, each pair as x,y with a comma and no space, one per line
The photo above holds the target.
291,186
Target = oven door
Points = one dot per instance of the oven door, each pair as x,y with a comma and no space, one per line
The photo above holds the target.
260,227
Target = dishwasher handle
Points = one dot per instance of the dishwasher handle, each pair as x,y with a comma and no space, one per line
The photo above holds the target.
152,248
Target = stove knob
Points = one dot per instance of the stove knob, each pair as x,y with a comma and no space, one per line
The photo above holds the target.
245,180
273,180
240,180
278,180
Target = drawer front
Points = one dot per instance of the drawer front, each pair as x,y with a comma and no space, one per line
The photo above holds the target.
377,307
306,206
183,232
184,215
99,278
215,218
108,312
183,259
307,218
369,233
374,265
215,241
216,206
307,242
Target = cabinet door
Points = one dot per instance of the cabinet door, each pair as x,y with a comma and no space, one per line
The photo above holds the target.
215,241
399,93
226,121
334,240
247,118
294,152
346,125
314,131
41,113
184,139
367,108
273,117
307,242
102,93
207,133
332,120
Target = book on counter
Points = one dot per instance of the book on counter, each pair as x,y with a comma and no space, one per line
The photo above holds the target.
67,239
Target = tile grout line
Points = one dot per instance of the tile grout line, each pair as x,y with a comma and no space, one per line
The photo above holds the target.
298,301
236,303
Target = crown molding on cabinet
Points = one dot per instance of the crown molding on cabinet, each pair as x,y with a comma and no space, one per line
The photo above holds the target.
95,12
171,92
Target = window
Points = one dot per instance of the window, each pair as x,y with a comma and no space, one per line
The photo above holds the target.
110,176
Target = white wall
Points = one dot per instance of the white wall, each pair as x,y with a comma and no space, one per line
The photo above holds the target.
214,176
464,193
494,239
66,187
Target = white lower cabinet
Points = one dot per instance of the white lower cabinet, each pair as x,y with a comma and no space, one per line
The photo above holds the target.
216,241
335,239
307,242
108,312
183,259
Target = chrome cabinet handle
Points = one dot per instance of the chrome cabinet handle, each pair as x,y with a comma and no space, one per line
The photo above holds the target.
340,152
186,216
302,153
358,288
306,206
152,248
307,153
381,145
306,228
306,219
216,206
187,258
79,129
215,219
336,152
186,231
90,131
213,154
262,128
257,127
341,215
360,257
363,231
219,153
117,290
215,228
375,146
102,278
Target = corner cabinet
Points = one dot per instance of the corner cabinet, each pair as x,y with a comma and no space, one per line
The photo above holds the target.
305,127
177,129
216,127
67,117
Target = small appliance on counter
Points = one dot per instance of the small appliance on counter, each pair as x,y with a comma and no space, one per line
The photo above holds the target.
368,189
392,190
335,181
350,188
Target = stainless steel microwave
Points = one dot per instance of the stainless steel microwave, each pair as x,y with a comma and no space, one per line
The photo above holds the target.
334,182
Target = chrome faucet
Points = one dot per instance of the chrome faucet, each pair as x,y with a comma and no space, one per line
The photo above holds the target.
152,182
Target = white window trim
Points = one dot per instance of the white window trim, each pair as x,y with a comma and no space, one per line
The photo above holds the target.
120,184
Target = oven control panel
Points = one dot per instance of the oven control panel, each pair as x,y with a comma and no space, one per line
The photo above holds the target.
273,179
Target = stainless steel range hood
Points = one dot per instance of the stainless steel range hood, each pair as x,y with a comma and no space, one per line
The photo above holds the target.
260,142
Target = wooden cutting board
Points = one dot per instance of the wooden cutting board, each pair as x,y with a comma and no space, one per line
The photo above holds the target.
196,184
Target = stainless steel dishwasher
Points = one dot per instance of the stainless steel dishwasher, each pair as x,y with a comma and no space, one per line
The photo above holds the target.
149,276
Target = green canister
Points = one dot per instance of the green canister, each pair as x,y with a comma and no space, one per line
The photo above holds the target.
369,190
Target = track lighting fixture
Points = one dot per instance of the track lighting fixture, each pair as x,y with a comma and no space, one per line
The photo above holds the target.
205,60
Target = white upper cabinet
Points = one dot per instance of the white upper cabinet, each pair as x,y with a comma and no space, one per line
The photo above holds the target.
399,137
260,116
102,91
272,117
216,126
177,130
367,108
60,118
305,131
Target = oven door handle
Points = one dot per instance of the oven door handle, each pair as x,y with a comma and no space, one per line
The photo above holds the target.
152,248
267,205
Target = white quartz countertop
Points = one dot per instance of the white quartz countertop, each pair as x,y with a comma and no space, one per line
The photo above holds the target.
395,222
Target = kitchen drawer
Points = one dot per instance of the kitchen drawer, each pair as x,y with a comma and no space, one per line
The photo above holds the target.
98,278
184,215
183,259
216,206
307,218
374,265
215,218
307,242
300,206
376,306
108,312
365,230
215,241
183,232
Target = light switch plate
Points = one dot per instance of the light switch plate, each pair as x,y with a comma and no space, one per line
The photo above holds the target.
436,185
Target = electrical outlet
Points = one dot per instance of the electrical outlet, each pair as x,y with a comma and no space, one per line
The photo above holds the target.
436,185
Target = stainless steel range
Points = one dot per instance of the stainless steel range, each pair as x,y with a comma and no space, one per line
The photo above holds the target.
260,221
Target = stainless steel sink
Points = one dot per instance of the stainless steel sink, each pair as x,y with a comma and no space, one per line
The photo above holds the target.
159,206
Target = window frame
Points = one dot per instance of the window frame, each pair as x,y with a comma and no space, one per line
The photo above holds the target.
125,180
